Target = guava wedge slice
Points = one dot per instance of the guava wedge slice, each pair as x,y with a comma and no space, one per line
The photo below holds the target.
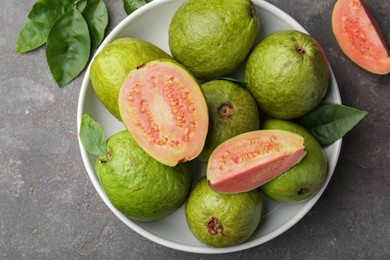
163,107
360,36
249,160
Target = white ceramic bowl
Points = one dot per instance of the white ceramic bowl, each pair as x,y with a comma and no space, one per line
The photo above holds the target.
151,23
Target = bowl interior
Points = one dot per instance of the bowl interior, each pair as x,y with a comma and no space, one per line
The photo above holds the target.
151,23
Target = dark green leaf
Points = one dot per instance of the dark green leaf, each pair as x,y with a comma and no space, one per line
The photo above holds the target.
96,16
330,122
92,136
48,11
68,47
42,17
81,5
31,36
132,5
238,82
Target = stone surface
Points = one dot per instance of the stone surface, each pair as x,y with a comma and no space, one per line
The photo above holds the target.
50,210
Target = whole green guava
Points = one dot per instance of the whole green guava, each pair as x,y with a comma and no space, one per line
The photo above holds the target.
139,186
288,74
213,37
232,111
304,179
222,220
112,65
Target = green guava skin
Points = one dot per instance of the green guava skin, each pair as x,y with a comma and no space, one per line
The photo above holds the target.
238,214
244,117
306,178
213,37
139,186
112,65
288,74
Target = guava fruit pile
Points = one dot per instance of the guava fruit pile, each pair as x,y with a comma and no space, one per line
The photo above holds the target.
183,108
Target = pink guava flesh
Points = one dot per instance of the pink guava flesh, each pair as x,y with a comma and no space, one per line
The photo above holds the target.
249,160
360,37
164,109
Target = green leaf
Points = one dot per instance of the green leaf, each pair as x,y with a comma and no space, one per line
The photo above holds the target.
96,16
132,5
31,36
81,5
330,122
42,17
68,47
92,136
48,11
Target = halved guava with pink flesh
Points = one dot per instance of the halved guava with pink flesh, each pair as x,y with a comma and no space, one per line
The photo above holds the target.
360,36
163,107
249,160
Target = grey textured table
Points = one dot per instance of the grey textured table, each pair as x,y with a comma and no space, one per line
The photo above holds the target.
50,210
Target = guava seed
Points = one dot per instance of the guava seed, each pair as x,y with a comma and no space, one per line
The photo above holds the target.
250,149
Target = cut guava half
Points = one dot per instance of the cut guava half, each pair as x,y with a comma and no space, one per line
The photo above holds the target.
163,107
